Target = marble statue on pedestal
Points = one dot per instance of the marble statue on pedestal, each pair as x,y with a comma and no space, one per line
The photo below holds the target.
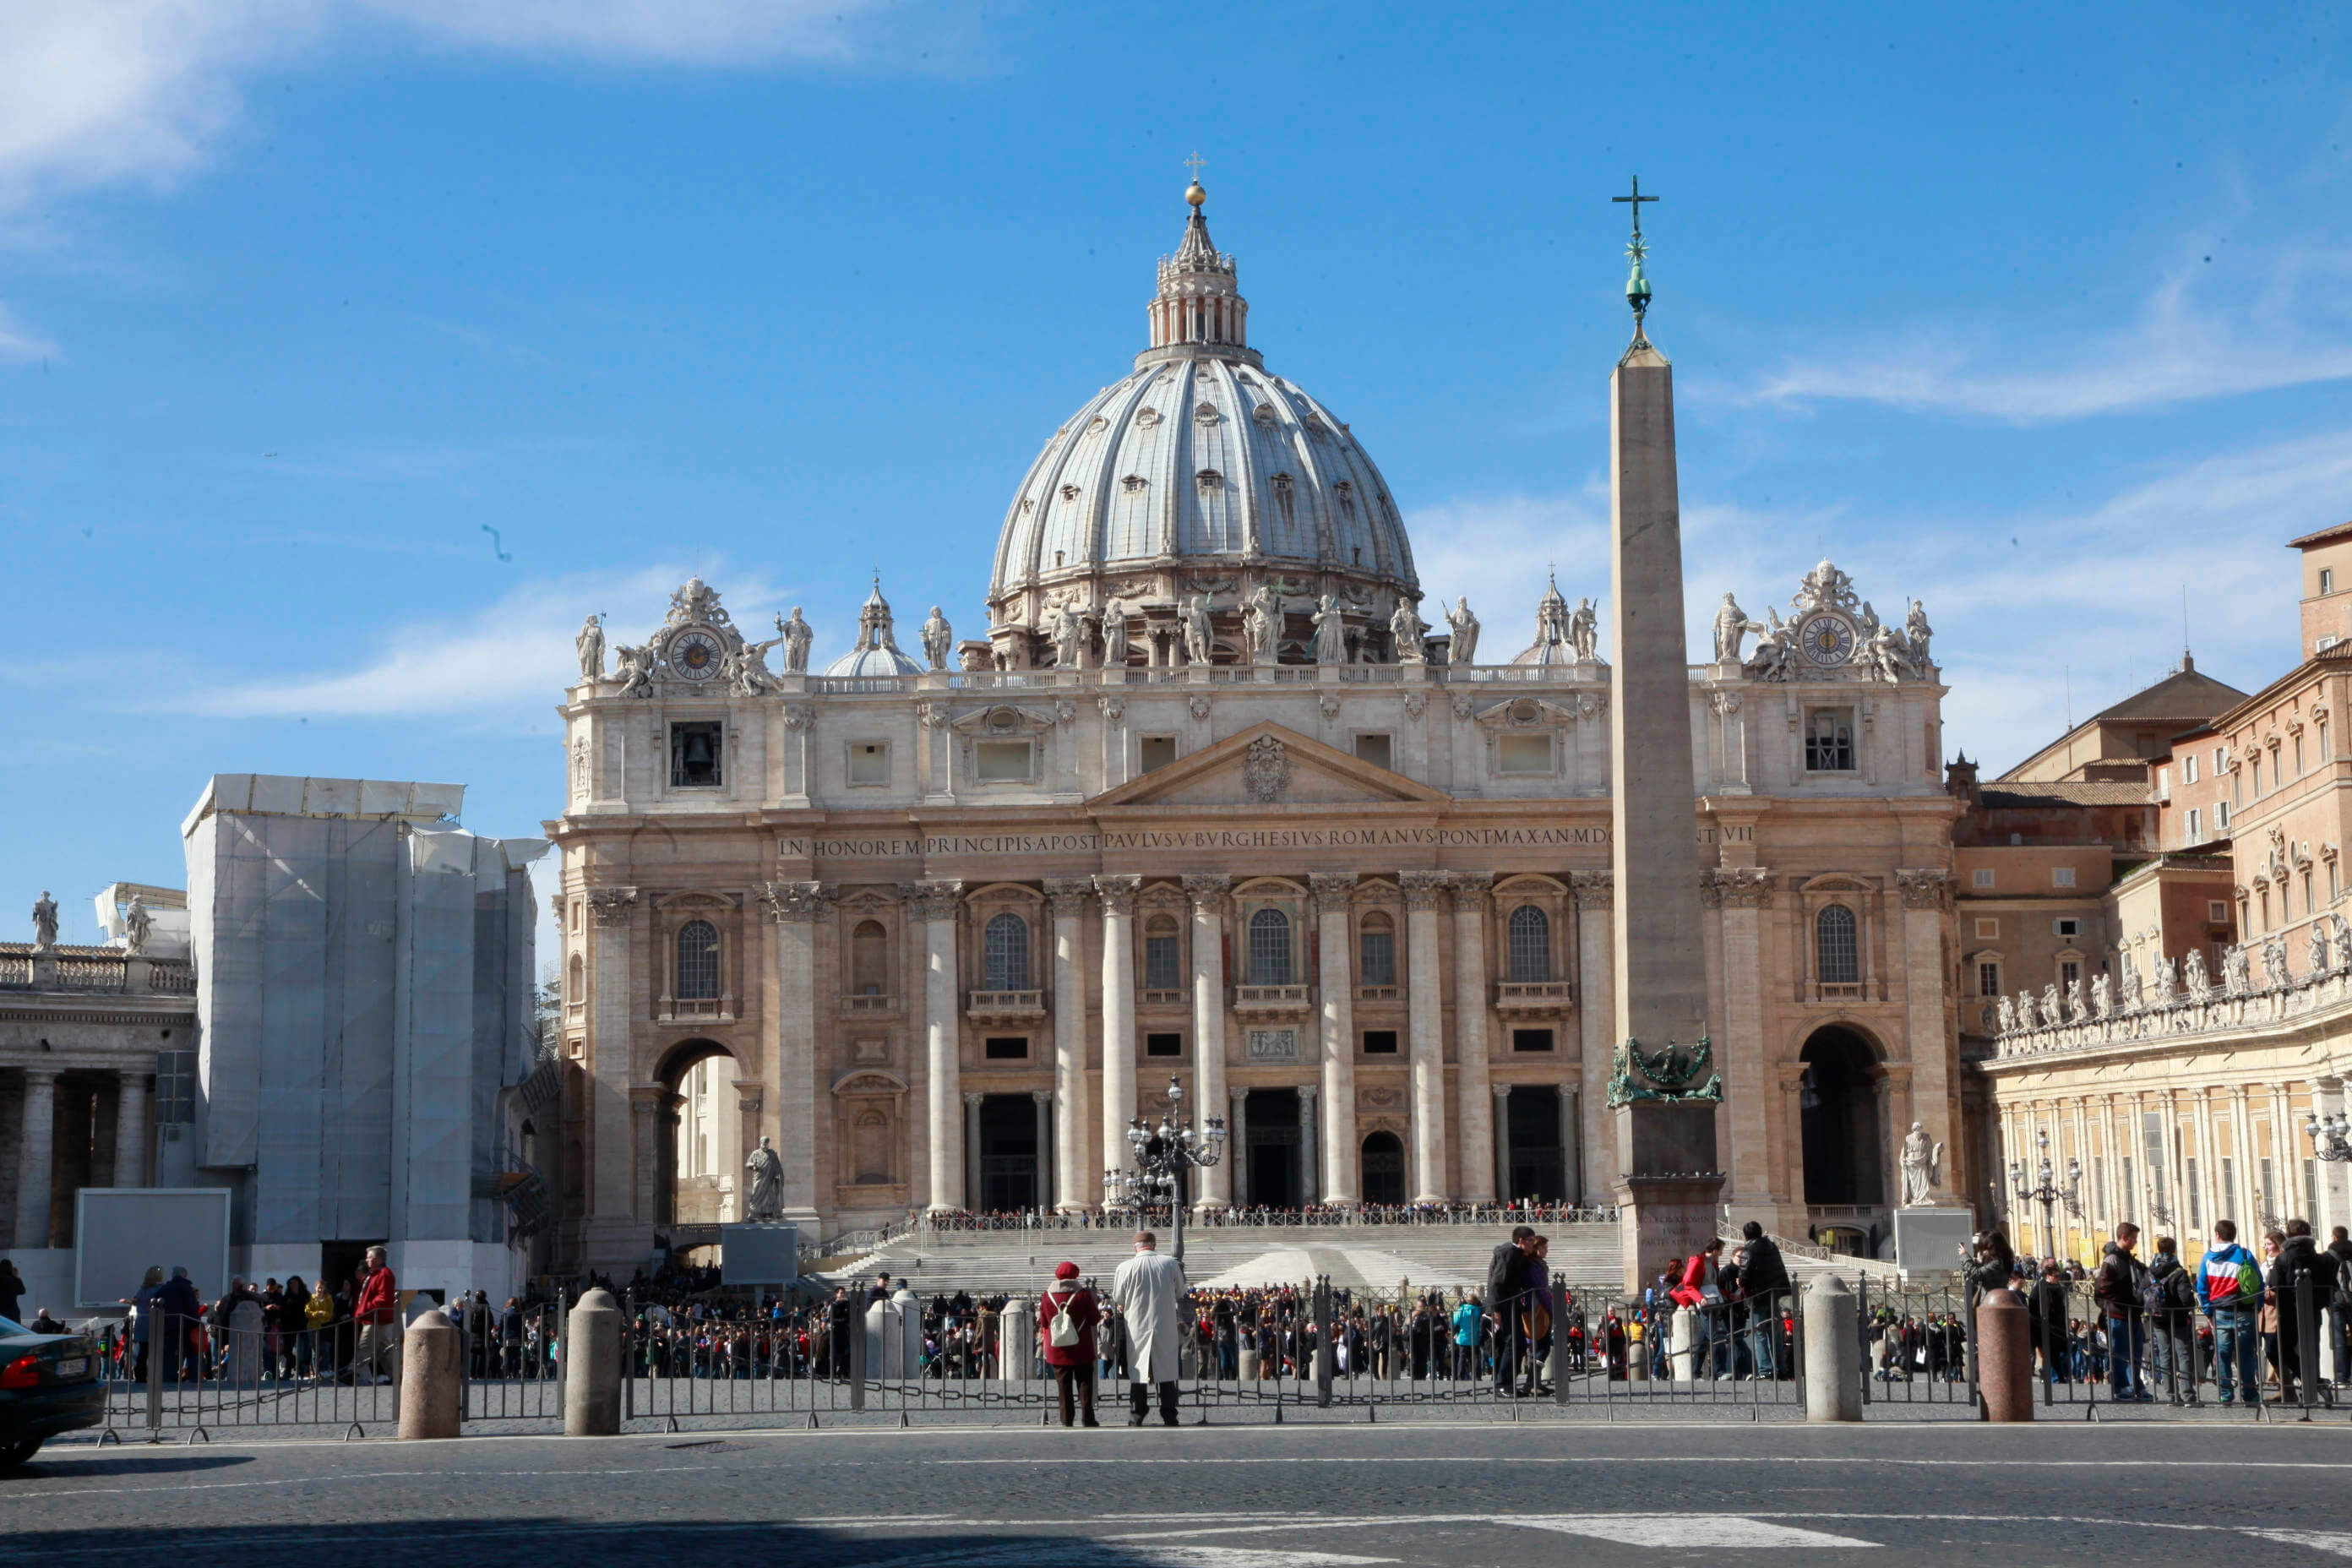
797,634
1330,632
1406,626
590,644
1584,632
137,925
1114,636
1465,647
939,638
764,1194
45,920
1732,628
1922,1162
1200,637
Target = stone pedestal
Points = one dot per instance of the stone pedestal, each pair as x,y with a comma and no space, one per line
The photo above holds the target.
1932,1240
428,1378
760,1252
2005,1357
1016,1341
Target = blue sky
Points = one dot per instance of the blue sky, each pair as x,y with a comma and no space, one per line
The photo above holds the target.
2037,314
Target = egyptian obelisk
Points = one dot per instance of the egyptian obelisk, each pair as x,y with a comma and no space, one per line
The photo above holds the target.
1668,1185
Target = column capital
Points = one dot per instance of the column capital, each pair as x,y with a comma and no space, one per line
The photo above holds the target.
972,1099
42,1075
1470,889
1306,1094
932,901
645,1098
1735,886
1042,1096
1334,890
1208,891
610,906
1922,887
1117,893
798,902
1068,895
1594,890
1423,889
1239,1097
1501,1092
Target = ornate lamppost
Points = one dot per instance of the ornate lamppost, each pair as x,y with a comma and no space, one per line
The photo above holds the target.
1164,1153
2045,1190
2331,1136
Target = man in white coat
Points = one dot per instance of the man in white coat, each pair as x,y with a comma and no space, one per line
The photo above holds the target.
1147,1290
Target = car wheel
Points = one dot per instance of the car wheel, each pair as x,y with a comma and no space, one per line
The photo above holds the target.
15,1454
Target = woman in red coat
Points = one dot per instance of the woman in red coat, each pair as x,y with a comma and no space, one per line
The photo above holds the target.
1073,1363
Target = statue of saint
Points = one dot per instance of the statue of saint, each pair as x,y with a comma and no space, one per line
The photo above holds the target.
1465,649
636,669
137,924
591,645
1731,627
2319,963
1330,632
1067,628
1406,626
1200,637
1584,631
1262,624
1920,1160
1114,636
1916,630
797,634
938,640
764,1194
2200,984
2007,1015
45,920
2101,1003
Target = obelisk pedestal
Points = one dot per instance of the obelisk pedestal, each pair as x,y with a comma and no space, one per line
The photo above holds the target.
1663,1089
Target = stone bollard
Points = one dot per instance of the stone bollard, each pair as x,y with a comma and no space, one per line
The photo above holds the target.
428,1378
591,1367
2004,1357
1637,1358
1833,1351
1681,1352
1016,1342
1248,1364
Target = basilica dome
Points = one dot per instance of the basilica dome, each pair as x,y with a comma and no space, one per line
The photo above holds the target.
1199,474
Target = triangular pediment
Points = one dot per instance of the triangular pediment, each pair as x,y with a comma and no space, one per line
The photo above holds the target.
1268,765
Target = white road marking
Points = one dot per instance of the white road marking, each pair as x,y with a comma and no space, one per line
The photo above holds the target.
1685,1530
1081,1552
2325,1541
1420,1460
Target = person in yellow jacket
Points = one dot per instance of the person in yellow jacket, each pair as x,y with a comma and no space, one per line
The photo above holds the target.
318,1322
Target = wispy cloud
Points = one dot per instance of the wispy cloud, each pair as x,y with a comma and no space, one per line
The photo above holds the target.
19,341
2288,327
96,93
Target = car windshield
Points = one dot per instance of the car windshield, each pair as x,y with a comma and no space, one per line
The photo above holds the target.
10,1327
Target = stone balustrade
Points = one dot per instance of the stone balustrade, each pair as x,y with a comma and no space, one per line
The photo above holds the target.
101,970
2183,1015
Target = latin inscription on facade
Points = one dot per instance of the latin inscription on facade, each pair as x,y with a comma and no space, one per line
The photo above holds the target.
884,848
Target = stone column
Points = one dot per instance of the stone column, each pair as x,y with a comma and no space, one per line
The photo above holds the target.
974,1190
1237,1143
648,1103
1208,894
1044,1101
612,1156
35,1152
794,911
1310,1186
1596,1014
1927,1032
1072,1181
1333,892
1739,894
130,1130
1117,895
935,904
1474,1112
1425,1025
1570,1152
1502,1092
2209,1169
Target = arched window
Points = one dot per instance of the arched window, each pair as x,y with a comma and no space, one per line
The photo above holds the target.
575,989
1530,944
1836,957
1376,951
869,948
698,961
1269,948
1161,955
1005,953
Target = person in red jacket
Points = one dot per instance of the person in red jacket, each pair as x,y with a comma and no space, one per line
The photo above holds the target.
1700,1292
377,1312
1073,1363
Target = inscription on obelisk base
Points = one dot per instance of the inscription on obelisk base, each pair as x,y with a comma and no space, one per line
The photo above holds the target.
1665,1090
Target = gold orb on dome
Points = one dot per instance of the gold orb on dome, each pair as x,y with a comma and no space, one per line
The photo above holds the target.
1195,194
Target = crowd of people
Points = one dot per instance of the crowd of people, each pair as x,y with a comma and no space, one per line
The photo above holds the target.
1260,1214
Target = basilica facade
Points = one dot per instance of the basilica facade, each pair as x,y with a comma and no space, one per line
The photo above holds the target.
1211,802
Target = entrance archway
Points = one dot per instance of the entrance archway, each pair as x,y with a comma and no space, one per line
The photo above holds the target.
1009,1175
1274,1166
1837,1100
715,1146
1537,1171
1383,1168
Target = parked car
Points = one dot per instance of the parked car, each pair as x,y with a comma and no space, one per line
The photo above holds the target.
48,1384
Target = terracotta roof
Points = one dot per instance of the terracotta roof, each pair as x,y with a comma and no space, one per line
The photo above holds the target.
2184,695
2042,795
2322,537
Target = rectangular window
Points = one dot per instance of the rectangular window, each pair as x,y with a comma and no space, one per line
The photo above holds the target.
1523,754
1003,762
1377,958
175,1088
1530,1039
2225,1202
1163,1044
2222,815
2196,830
2327,579
2333,891
1980,877
2164,783
1988,978
2323,753
2196,1201
1380,1042
2254,767
1158,752
1987,930
694,754
2061,875
2066,926
1375,750
2189,768
1160,965
2310,1187
2270,1193
1829,740
2298,755
2069,973
2127,1207
1006,1048
2217,910
869,763
2308,907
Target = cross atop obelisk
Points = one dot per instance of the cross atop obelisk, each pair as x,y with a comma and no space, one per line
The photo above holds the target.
1664,1089
1637,285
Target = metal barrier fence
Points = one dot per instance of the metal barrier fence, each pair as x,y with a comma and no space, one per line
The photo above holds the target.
1126,1216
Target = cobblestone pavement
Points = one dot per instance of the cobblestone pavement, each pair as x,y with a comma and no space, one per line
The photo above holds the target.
1295,1497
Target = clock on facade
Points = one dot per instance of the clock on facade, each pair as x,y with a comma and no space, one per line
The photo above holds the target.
1827,639
696,654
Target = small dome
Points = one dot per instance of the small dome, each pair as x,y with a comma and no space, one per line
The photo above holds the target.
876,653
